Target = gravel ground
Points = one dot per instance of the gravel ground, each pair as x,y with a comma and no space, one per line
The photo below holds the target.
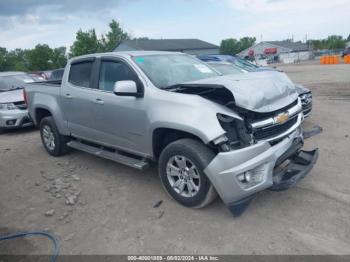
96,206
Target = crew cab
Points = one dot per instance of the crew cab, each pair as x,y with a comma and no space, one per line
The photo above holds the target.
209,134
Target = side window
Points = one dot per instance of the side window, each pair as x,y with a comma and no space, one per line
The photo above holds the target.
112,72
80,74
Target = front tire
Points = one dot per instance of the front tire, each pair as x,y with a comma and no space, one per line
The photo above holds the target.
54,143
181,166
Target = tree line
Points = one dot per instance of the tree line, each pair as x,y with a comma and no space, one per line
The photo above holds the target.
332,42
43,57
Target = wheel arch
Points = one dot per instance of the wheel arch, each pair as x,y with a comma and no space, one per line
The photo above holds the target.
41,113
162,137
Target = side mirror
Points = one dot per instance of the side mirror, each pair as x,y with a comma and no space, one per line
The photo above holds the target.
126,88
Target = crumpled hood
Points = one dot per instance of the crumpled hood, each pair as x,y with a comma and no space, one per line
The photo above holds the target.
301,89
11,96
257,91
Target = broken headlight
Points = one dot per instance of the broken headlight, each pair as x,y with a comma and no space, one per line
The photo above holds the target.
7,106
306,98
236,136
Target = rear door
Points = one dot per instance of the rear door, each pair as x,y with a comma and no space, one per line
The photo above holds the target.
76,98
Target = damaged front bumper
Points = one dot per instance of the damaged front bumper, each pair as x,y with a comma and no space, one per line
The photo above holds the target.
14,119
238,175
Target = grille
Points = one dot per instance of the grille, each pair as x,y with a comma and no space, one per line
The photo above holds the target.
20,105
275,130
252,116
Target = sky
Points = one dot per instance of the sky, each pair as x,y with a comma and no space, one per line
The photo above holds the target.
26,23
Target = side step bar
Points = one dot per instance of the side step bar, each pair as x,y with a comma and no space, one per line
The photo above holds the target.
116,157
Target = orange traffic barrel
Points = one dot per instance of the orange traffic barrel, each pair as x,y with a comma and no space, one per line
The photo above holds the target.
322,60
336,60
326,60
347,59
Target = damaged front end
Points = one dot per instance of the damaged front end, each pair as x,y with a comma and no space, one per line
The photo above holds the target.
259,150
237,133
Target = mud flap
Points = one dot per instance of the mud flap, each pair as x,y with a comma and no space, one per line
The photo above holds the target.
299,166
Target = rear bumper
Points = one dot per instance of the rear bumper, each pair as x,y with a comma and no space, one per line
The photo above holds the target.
262,161
15,119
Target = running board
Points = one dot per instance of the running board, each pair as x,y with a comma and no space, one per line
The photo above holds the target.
122,159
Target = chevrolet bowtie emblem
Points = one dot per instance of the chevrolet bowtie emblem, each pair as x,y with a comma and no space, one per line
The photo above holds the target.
282,118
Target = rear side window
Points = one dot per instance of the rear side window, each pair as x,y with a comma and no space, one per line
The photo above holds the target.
80,74
112,72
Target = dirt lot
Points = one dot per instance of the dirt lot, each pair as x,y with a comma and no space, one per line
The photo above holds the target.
113,209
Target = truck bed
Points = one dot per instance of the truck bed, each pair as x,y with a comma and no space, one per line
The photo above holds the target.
47,92
49,82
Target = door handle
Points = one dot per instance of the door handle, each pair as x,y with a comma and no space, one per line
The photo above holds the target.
99,101
69,96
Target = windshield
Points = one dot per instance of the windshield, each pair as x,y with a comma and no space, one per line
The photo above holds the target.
170,69
227,69
14,81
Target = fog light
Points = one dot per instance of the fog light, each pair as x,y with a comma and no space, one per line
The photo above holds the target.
10,122
252,177
248,176
241,178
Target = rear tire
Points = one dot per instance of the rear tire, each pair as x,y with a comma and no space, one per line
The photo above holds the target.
54,143
181,166
2,130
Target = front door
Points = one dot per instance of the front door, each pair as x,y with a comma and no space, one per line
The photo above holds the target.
121,121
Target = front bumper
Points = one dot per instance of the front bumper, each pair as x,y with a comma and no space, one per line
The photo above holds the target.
299,166
14,119
260,159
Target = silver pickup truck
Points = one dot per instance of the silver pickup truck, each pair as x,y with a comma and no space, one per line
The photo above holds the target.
210,134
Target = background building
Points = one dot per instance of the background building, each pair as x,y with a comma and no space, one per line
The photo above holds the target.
279,51
189,46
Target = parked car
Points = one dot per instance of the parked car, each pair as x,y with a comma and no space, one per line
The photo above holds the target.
36,78
240,62
42,74
13,110
210,134
227,68
346,51
56,75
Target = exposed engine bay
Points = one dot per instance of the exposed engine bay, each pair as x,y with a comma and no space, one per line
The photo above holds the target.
241,133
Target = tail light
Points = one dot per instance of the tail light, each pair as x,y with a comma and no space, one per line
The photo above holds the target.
25,97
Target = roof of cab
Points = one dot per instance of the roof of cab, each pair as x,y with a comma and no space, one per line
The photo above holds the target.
126,54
